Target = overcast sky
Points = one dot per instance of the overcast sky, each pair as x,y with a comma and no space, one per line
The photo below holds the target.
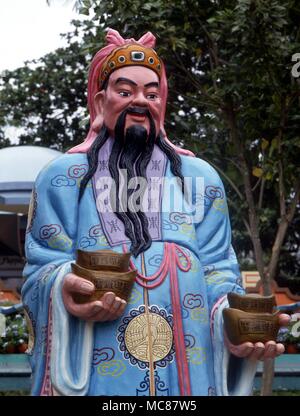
30,28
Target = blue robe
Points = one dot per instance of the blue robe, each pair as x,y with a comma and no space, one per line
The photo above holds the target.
78,358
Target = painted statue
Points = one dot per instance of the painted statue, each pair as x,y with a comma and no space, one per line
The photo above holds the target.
168,338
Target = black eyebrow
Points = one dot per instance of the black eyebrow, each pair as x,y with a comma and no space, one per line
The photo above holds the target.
152,84
129,81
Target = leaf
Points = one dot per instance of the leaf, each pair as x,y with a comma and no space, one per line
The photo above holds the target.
235,29
257,172
147,6
268,176
198,52
264,144
275,143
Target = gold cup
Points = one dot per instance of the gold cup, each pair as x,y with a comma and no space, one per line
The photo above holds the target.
107,270
251,302
243,326
249,318
103,260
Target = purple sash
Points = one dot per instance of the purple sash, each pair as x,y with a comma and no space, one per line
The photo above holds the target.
112,227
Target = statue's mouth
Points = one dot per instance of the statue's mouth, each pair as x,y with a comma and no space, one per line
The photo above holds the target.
138,114
137,111
137,117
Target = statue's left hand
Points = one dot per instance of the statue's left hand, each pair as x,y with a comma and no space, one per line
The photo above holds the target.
258,351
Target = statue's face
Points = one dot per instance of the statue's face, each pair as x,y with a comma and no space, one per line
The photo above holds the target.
131,86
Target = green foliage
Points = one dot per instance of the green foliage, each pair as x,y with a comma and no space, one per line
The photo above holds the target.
290,334
46,99
16,334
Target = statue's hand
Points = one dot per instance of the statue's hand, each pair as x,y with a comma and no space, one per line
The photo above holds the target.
259,350
108,308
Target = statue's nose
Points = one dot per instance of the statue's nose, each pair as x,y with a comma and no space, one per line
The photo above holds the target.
139,100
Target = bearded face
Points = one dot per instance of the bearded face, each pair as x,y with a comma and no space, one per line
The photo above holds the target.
129,110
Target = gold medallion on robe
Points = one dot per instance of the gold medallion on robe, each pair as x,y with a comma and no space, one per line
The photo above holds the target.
139,342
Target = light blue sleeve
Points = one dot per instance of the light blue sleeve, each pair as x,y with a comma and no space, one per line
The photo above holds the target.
49,245
233,376
215,251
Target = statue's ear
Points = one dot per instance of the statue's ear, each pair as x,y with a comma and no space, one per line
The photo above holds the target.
98,105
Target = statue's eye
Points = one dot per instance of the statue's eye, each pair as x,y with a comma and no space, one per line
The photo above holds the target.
125,93
152,97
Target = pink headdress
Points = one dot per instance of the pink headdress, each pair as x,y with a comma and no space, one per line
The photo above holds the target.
114,40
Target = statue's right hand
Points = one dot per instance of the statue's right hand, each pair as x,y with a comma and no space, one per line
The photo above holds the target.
108,308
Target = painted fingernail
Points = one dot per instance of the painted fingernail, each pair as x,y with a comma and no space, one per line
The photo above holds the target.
87,287
259,351
249,350
97,307
110,299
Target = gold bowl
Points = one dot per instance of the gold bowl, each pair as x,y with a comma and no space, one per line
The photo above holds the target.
103,260
104,281
243,326
251,302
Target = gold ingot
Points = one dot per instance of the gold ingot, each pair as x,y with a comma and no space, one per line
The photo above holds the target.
252,303
243,326
118,283
103,260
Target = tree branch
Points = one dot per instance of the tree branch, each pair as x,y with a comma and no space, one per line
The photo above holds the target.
257,183
253,219
214,45
232,184
211,69
281,232
197,101
283,117
261,193
246,224
193,80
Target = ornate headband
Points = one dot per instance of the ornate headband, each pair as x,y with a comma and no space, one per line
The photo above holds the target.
128,55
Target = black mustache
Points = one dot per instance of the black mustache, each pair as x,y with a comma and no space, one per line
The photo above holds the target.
138,110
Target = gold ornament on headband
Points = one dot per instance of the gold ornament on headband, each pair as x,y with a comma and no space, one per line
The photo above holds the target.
128,55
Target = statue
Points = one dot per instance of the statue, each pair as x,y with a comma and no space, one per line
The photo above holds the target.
126,189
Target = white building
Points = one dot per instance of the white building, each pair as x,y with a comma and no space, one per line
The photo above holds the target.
19,167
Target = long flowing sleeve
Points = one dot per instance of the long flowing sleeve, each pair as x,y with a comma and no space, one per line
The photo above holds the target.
216,254
233,376
49,247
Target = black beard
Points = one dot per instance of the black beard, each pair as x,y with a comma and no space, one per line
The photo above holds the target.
132,153
144,147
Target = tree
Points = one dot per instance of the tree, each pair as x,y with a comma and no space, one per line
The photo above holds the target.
46,99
